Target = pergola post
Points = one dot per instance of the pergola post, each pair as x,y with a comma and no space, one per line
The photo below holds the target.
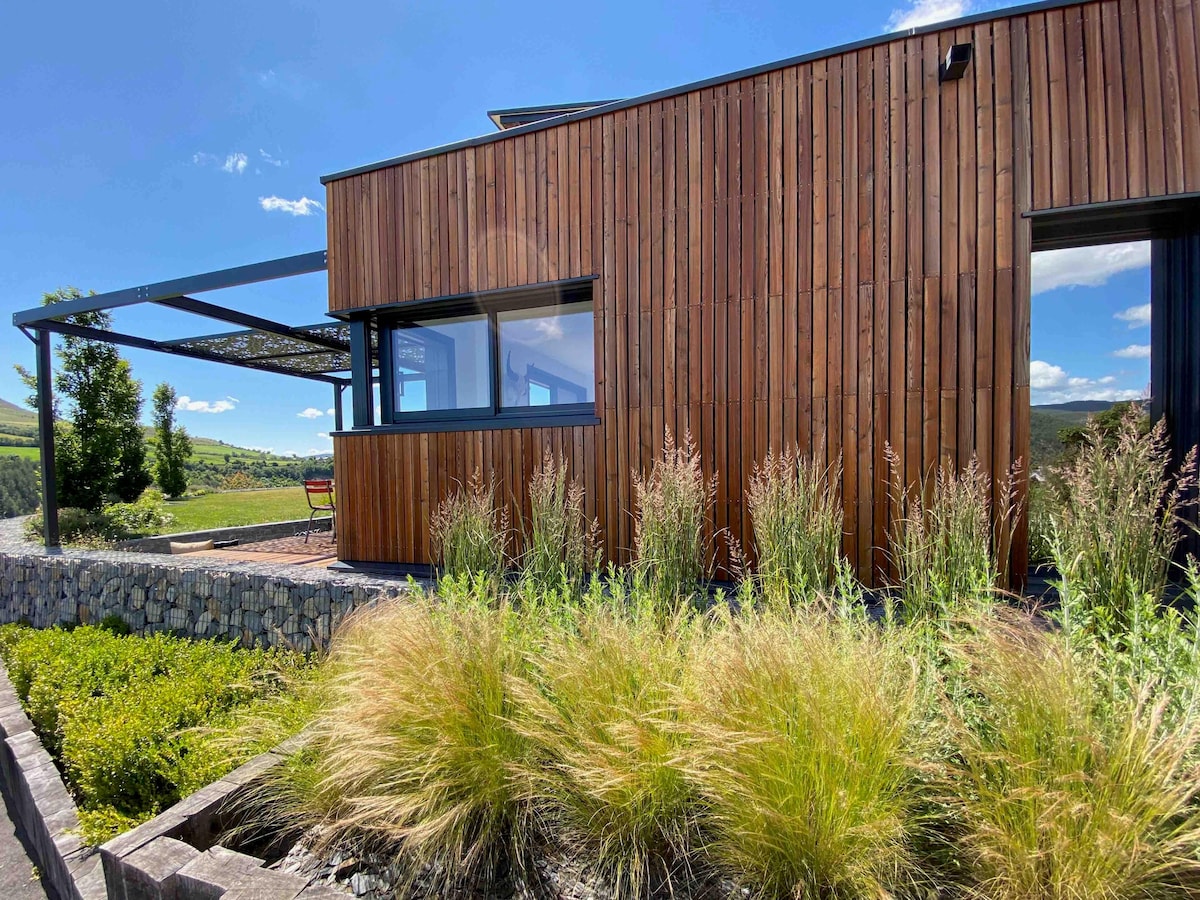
45,389
337,406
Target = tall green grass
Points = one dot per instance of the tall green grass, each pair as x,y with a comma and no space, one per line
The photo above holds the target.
614,743
1062,793
561,545
947,540
673,504
806,767
797,519
469,535
1117,528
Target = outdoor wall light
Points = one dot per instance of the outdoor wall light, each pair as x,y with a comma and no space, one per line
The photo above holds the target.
958,57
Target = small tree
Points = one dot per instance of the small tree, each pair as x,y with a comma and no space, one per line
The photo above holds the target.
173,447
100,447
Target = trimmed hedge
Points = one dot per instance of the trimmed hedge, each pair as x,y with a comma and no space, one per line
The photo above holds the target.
136,723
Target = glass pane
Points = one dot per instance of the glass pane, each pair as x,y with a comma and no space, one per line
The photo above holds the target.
546,356
442,364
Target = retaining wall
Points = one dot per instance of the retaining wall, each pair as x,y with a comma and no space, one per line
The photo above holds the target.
274,605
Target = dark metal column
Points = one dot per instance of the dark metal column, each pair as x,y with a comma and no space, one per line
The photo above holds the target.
337,407
45,387
360,373
1175,348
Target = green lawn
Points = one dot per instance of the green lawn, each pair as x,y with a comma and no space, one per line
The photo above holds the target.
24,452
238,508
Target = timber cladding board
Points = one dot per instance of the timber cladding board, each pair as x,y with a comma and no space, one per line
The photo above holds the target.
830,255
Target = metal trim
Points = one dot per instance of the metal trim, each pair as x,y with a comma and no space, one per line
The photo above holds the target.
485,423
492,298
950,25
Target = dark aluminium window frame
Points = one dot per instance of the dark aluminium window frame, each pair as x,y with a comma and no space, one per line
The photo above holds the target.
494,415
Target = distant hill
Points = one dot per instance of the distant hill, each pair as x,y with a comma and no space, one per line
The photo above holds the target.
19,436
1045,423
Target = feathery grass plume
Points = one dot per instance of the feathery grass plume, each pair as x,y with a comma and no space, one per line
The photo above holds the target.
468,533
797,520
608,725
1062,794
1119,523
944,543
805,769
561,545
673,506
414,752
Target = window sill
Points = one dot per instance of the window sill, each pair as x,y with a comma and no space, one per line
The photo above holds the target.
481,423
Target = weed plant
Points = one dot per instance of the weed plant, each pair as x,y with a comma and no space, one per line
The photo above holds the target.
797,519
469,535
673,506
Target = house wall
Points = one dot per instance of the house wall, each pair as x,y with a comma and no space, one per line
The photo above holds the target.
830,256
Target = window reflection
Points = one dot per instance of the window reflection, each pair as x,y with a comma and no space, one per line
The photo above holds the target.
546,356
441,364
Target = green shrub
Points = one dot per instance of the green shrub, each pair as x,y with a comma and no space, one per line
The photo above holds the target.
132,720
114,522
1119,524
1063,793
807,771
561,547
468,534
672,510
797,519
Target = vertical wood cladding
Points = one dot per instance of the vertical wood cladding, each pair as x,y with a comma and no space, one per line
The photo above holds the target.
830,256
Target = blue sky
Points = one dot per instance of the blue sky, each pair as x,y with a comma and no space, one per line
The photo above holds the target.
144,141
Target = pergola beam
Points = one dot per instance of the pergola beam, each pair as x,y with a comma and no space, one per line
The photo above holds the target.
141,343
303,264
247,320
45,391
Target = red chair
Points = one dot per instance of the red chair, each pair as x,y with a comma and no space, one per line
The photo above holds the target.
320,490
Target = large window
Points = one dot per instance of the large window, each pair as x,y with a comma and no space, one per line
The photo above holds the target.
520,359
441,364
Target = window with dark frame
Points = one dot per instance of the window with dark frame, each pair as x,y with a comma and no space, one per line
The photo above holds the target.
485,363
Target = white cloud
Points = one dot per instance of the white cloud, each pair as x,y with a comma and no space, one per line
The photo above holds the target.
1042,375
1052,384
1136,316
549,329
1107,394
1133,351
235,164
187,404
1086,266
926,12
203,159
302,207
323,436
310,413
331,411
234,399
269,159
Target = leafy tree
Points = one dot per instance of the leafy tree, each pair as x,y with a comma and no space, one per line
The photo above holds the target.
18,486
173,447
100,450
1110,424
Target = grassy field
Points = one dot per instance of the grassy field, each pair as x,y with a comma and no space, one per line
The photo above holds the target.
24,452
238,508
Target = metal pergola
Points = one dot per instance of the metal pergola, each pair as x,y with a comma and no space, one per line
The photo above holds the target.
318,352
